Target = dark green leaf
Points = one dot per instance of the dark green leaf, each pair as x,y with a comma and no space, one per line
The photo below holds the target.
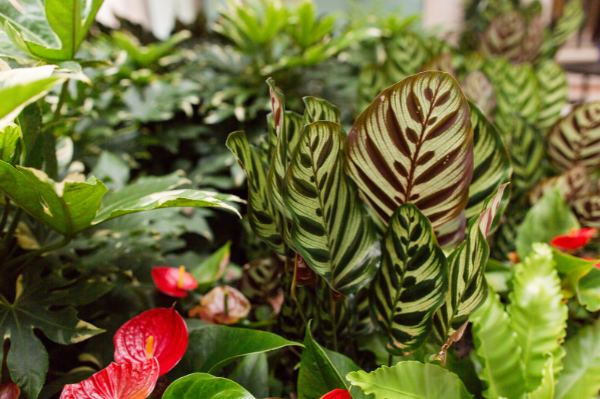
253,374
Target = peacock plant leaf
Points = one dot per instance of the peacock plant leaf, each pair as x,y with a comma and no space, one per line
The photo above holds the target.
517,92
538,314
406,54
478,89
505,36
553,86
414,143
502,371
567,25
331,229
575,139
411,283
264,218
317,109
574,184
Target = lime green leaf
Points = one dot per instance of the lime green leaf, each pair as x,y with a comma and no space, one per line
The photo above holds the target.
496,343
546,388
331,229
581,376
571,269
410,380
205,386
10,138
213,267
538,314
411,283
22,86
146,56
588,290
414,143
265,220
553,87
548,218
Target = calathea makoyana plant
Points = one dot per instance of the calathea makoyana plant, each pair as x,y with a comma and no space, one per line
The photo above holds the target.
368,211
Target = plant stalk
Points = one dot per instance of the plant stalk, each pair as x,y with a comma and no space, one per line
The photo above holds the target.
4,248
4,215
40,251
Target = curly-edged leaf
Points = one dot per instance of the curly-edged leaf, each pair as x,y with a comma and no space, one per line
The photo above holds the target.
411,283
575,139
588,290
478,88
546,388
517,92
69,21
567,25
574,184
414,143
491,166
571,270
205,386
67,207
538,314
504,37
10,140
317,109
264,218
212,346
553,87
34,308
22,86
331,229
498,351
410,380
547,219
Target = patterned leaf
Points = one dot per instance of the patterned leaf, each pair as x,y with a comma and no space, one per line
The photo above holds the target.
442,63
372,80
567,25
317,109
406,54
331,228
414,144
576,139
452,233
517,92
587,210
334,317
478,88
533,41
504,37
573,185
553,85
411,283
264,218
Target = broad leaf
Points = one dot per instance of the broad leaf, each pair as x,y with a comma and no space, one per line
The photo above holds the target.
575,139
548,218
69,21
212,346
411,283
205,386
498,351
571,270
581,376
410,380
67,207
538,314
253,374
211,269
20,87
265,220
331,228
517,93
574,185
10,139
588,290
546,388
317,109
414,143
553,87
567,25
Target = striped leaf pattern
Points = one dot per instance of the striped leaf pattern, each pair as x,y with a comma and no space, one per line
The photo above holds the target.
504,239
573,184
553,89
576,139
478,89
316,109
452,233
528,155
331,229
566,26
587,210
411,283
372,80
264,218
504,37
333,313
406,54
414,143
517,92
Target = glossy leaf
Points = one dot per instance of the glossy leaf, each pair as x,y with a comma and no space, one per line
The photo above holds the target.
411,283
10,138
553,87
546,388
160,333
253,374
581,376
410,380
547,219
414,144
571,269
264,218
538,314
588,290
22,86
117,381
498,351
575,139
205,386
331,228
9,390
211,269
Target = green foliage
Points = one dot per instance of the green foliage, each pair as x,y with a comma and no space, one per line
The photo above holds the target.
201,385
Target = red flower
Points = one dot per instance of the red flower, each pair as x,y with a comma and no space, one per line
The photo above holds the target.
574,240
337,394
173,281
117,381
9,391
160,333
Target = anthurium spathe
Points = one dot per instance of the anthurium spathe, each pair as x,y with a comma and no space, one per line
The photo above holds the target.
9,391
574,240
222,305
173,281
117,381
160,333
337,394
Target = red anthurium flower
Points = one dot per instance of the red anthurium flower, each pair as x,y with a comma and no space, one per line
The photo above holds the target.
117,381
337,394
574,240
173,281
160,333
9,391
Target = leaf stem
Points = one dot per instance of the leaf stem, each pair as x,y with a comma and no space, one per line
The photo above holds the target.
390,360
40,251
61,101
293,292
4,215
5,246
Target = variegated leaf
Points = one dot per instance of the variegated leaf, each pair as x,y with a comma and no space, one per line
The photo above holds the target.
504,37
406,54
414,143
411,283
317,109
553,88
452,233
479,90
573,184
264,218
372,80
567,25
576,139
517,92
442,63
587,210
334,316
331,229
